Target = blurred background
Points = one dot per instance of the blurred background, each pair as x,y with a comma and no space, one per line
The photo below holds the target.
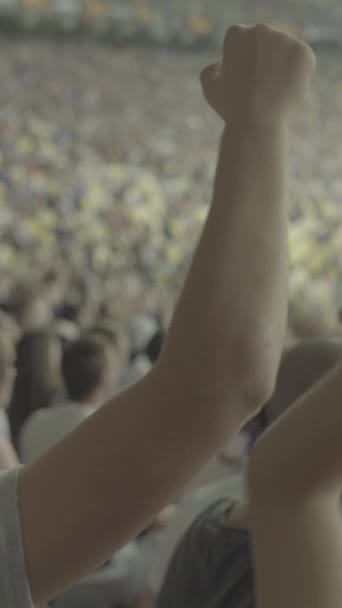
107,156
106,177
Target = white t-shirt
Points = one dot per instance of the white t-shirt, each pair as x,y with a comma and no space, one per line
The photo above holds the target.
135,372
14,587
48,426
189,508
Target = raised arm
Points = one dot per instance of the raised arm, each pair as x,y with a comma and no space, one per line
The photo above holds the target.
295,490
103,483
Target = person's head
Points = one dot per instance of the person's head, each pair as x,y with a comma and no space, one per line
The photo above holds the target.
154,346
79,311
307,318
31,309
71,311
118,339
38,379
89,370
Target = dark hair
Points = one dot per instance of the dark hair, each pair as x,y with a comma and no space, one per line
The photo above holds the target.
38,379
104,332
154,347
70,311
50,277
83,365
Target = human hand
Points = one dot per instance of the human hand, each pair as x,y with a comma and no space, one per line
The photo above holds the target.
263,74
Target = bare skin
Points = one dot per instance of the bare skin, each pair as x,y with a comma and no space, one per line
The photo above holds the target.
295,489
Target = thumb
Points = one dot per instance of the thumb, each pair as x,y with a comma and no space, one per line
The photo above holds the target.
209,76
210,81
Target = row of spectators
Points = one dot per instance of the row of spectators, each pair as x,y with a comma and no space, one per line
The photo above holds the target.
91,178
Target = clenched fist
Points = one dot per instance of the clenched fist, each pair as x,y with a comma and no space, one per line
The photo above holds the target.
262,75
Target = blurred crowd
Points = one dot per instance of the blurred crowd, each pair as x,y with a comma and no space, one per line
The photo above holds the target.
101,170
191,23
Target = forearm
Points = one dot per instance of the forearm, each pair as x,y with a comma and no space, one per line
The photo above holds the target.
233,307
301,455
295,483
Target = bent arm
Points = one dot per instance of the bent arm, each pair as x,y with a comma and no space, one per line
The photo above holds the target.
102,484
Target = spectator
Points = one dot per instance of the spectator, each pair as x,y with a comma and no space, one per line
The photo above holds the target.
31,310
142,329
7,377
9,328
106,328
38,380
90,372
212,565
154,346
8,456
52,289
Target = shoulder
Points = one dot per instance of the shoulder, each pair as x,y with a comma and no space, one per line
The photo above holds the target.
35,425
39,417
8,457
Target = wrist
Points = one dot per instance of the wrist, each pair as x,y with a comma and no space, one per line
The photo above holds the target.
248,121
249,128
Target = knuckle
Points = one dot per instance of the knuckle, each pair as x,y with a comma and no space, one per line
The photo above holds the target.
233,32
308,54
203,74
262,31
209,74
263,28
303,53
234,29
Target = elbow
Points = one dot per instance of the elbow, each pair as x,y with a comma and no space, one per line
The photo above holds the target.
256,380
229,377
254,377
244,387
